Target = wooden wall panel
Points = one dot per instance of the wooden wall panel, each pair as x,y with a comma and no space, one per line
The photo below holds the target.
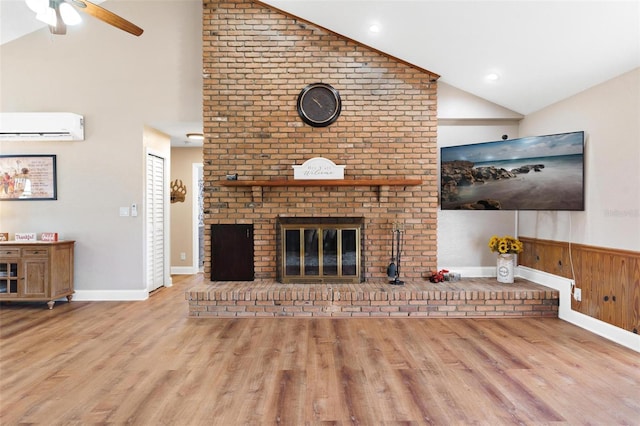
634,292
609,278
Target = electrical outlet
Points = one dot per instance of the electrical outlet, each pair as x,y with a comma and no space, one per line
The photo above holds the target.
183,256
577,294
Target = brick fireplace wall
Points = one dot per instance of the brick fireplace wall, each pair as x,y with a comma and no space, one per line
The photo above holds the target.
256,61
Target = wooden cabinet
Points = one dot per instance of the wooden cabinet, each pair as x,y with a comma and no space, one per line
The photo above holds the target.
36,271
232,252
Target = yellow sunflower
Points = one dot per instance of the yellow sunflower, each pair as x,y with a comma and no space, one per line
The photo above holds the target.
505,245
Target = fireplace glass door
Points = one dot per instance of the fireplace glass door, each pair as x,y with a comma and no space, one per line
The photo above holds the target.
321,253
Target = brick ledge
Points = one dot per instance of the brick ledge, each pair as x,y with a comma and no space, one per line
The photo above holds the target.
470,298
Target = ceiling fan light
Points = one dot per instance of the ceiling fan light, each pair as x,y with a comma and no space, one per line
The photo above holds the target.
70,16
37,6
48,16
195,136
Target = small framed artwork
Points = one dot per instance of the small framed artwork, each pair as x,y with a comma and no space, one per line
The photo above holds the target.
28,177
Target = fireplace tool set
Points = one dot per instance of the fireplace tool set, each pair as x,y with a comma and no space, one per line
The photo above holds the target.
393,270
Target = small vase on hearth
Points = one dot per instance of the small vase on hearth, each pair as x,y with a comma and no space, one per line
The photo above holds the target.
505,267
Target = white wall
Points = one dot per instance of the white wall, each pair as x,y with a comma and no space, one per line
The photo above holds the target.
463,235
119,83
610,116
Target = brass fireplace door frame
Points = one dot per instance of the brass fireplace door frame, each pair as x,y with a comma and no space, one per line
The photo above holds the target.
302,277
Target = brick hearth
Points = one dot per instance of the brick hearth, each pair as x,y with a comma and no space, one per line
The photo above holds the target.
470,298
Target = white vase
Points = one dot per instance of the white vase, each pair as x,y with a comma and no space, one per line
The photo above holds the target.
505,267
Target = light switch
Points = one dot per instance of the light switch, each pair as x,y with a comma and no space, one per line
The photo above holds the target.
124,211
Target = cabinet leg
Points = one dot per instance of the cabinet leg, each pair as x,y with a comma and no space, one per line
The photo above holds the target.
50,303
69,297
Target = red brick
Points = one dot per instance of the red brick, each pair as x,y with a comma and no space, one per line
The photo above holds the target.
261,135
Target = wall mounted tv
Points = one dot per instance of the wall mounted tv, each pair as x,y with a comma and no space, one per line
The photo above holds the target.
532,173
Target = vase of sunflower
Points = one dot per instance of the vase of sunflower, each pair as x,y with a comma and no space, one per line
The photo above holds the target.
507,247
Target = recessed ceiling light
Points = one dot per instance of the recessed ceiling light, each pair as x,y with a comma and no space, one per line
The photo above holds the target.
492,77
195,136
374,28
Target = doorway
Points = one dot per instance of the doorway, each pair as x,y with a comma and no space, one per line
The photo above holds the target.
197,174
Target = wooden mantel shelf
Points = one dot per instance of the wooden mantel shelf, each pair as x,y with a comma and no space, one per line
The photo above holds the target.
323,182
257,185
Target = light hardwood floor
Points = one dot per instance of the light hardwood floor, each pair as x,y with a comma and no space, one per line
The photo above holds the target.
147,363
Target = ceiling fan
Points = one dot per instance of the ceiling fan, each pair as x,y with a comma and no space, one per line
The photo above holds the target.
60,13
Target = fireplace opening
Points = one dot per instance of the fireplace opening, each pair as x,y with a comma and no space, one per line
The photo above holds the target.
319,249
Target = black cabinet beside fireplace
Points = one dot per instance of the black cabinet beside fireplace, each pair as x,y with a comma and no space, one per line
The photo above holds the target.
232,252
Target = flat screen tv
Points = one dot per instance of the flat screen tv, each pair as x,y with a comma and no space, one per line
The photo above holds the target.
532,173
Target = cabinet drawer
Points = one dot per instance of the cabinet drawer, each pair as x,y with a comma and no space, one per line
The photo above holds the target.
10,252
35,252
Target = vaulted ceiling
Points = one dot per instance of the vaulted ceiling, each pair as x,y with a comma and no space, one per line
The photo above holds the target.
539,52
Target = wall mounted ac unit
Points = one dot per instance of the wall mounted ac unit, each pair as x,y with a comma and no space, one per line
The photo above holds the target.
41,126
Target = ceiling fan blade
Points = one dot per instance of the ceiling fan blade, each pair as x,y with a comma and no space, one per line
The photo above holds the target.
60,28
106,16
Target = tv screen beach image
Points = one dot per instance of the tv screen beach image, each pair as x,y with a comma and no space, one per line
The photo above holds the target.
531,173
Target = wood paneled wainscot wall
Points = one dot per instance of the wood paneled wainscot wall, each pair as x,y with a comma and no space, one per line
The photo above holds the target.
608,278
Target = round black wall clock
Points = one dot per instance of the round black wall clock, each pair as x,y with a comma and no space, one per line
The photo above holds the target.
319,104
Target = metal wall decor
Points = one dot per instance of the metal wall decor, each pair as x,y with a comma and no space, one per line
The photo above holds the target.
178,191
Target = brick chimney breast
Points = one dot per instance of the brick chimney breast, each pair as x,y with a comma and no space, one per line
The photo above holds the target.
256,60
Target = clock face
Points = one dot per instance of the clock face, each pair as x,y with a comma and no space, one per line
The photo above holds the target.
319,104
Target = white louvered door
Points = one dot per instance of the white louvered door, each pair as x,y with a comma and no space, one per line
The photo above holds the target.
155,222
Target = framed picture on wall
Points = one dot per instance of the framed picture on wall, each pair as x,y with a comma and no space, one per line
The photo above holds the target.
27,177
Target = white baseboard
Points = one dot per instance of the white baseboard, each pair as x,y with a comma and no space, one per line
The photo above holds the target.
110,295
183,270
563,285
473,271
